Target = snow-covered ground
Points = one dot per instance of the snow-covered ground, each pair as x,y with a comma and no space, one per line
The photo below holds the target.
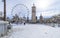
33,31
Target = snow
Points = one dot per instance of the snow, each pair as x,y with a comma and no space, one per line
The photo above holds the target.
6,22
34,31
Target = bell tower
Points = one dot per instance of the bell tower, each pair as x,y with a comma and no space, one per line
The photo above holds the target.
33,13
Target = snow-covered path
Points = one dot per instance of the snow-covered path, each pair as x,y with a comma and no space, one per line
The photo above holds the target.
35,31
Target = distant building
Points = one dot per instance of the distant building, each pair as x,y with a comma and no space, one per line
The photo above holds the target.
56,19
15,18
41,18
33,14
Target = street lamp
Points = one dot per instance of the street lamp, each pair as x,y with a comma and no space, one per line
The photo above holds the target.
28,16
4,9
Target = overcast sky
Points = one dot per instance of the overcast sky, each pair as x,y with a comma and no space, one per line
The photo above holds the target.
44,7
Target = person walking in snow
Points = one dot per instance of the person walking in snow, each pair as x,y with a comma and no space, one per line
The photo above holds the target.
24,22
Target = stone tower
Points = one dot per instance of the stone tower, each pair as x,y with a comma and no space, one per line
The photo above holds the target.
33,14
41,18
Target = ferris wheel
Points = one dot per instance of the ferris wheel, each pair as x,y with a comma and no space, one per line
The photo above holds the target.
21,10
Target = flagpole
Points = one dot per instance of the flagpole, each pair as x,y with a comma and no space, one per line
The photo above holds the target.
4,10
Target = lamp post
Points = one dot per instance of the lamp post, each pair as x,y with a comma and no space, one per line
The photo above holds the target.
28,16
4,10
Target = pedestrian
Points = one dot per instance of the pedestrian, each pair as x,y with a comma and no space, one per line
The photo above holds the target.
24,22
